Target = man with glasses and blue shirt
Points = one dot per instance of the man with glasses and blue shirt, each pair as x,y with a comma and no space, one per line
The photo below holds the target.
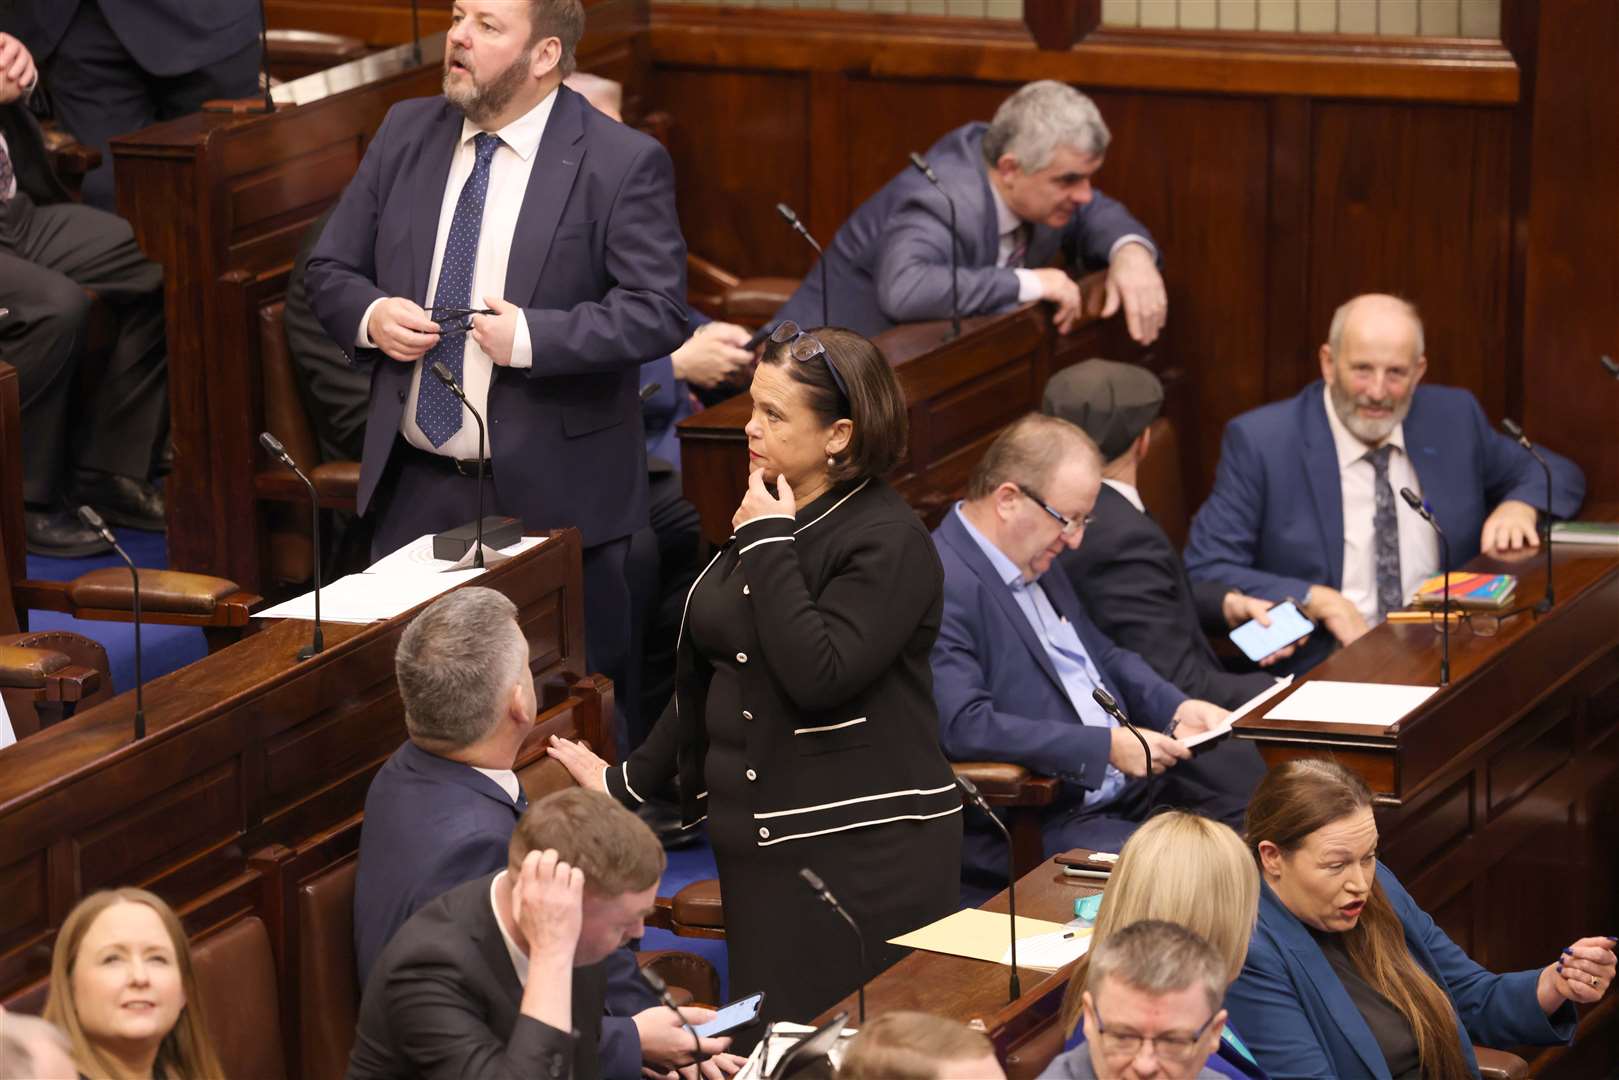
1017,659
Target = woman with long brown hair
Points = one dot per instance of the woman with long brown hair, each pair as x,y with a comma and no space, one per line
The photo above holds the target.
123,989
1347,976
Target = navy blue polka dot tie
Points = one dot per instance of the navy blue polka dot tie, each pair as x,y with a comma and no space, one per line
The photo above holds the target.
438,412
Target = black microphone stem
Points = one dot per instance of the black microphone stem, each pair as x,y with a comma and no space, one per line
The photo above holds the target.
1611,366
661,988
791,218
1014,986
264,57
926,170
91,518
813,880
1544,528
317,641
1111,707
416,33
1426,512
442,372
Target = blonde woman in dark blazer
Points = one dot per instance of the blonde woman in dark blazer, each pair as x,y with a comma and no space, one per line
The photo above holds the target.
803,727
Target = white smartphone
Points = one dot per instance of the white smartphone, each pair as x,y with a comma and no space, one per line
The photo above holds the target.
1287,625
737,1014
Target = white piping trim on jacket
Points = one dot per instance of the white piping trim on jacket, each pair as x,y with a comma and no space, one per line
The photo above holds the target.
851,802
834,506
767,517
860,825
625,769
766,540
696,823
828,727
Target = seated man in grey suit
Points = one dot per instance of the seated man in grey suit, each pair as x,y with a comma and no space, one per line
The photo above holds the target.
440,812
1022,191
502,976
1127,573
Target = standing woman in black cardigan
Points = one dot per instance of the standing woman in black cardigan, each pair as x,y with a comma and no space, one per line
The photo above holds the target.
803,725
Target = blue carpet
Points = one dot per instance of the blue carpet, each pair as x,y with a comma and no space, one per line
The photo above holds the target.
687,865
163,648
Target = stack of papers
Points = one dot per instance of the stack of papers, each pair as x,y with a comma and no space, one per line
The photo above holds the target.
1243,710
1048,952
1323,701
978,935
391,586
1600,533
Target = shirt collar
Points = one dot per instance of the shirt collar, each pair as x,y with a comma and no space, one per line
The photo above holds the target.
1010,575
1131,495
1005,220
523,134
1349,448
519,957
506,778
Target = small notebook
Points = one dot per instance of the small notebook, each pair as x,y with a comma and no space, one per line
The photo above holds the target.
1468,589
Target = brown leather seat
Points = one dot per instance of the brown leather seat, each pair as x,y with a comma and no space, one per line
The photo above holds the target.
171,591
699,904
236,980
329,994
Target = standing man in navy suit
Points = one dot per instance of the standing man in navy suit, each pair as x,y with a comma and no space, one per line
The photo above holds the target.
1022,189
1306,499
441,810
510,193
1017,659
116,66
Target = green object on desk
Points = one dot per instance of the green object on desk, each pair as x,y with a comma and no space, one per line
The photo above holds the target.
1087,907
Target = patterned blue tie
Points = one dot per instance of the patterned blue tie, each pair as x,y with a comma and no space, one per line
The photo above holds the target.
1386,534
438,412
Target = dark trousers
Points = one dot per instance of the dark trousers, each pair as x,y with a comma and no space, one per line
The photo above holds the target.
416,496
99,91
1215,784
664,559
48,256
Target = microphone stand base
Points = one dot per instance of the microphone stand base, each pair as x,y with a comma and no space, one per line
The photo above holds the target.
307,651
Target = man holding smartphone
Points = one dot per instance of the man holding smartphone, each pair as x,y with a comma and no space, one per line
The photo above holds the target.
1125,569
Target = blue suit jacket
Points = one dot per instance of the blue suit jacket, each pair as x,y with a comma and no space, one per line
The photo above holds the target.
166,37
890,262
999,696
432,824
670,403
1273,525
1298,1019
599,267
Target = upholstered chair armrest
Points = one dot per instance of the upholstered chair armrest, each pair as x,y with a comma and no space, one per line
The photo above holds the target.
1004,784
751,301
689,976
1500,1065
50,673
70,159
167,596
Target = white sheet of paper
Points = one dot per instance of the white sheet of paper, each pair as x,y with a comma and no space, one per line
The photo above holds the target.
1239,712
367,598
8,734
1048,952
1323,701
417,557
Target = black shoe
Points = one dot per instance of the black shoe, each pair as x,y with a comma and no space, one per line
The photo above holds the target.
122,500
60,534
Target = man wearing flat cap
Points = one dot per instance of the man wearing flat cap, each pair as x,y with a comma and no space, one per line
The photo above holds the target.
1127,572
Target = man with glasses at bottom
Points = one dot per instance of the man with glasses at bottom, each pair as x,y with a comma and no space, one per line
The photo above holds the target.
1152,1010
1018,660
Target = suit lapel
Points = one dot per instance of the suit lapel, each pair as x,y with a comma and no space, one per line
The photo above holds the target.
432,173
1321,472
479,919
967,549
1340,1008
556,166
1424,443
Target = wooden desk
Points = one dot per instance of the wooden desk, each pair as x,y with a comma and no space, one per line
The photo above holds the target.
966,990
1499,796
961,393
250,755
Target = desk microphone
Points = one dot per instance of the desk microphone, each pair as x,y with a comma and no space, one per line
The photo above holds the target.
264,57
926,170
1610,366
820,256
415,33
442,373
1015,987
1425,512
93,520
1111,707
646,391
1515,429
661,988
813,880
279,452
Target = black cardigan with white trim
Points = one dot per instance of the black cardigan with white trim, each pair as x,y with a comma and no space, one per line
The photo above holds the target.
836,685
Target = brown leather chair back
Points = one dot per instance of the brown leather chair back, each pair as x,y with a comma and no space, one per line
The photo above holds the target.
329,994
236,980
1161,483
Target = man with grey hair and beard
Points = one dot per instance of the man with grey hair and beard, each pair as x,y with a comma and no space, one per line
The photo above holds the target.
441,810
1306,501
1022,192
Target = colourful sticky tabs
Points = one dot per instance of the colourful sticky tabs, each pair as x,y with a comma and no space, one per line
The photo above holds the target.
1087,907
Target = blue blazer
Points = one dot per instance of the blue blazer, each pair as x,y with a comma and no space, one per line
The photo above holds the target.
1299,1020
1273,525
432,824
999,696
670,403
599,267
166,37
890,262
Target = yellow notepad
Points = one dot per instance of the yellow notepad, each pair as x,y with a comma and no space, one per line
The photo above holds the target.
974,933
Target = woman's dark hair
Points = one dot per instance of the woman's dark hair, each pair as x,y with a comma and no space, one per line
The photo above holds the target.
1294,800
874,403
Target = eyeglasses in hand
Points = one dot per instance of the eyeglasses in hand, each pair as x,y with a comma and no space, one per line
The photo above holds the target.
456,320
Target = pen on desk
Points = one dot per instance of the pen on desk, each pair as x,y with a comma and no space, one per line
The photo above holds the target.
1068,935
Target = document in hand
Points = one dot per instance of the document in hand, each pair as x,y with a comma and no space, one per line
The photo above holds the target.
1192,742
1323,701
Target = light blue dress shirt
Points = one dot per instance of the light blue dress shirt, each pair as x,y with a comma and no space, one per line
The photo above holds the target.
1061,642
